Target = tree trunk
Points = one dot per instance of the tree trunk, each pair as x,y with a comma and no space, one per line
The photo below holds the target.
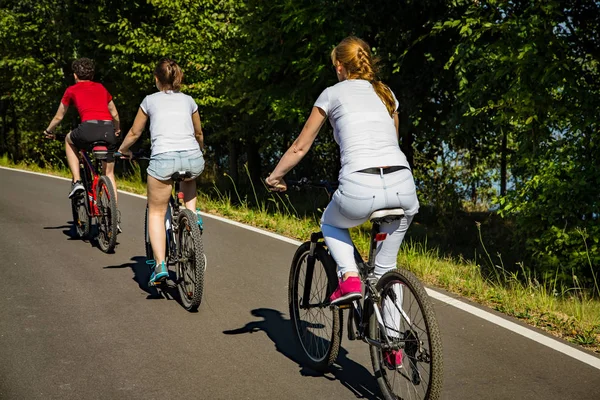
503,164
16,136
233,158
4,141
254,161
407,138
472,165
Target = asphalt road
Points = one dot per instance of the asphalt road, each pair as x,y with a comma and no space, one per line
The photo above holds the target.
76,323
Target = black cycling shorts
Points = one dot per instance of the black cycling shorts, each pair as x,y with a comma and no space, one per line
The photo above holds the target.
90,132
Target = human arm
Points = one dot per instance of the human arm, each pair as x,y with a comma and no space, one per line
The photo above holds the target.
297,150
198,129
60,114
134,133
397,125
115,116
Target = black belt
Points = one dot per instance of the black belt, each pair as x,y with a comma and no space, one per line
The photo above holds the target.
97,121
384,170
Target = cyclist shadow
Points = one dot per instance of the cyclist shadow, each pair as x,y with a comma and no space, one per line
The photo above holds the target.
68,230
71,232
141,275
351,374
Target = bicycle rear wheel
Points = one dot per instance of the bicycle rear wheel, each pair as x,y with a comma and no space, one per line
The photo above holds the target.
191,261
81,216
409,326
315,323
107,215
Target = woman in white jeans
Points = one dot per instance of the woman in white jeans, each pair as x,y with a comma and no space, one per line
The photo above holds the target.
375,174
177,144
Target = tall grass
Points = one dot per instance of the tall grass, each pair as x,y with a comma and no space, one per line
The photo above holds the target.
568,312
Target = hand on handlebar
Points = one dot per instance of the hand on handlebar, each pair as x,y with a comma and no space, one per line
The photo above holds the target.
49,135
276,185
126,154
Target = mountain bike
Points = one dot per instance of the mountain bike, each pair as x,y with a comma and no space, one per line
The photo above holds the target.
184,247
97,202
395,314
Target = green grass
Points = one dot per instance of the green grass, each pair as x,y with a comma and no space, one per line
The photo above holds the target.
570,313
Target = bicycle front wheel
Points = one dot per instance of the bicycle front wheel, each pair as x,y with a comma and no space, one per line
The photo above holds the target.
191,261
409,365
107,215
315,323
81,217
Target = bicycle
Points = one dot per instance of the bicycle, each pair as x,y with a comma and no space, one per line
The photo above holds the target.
386,319
97,202
184,247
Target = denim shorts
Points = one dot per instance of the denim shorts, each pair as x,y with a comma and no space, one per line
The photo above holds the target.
163,166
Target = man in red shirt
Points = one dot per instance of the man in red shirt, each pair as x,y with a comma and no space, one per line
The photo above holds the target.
99,121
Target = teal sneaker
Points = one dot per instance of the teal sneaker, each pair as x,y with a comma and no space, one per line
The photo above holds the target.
159,273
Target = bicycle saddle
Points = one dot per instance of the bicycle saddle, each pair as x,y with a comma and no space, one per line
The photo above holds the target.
386,215
100,150
181,175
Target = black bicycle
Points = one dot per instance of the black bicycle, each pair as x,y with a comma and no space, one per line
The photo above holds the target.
184,248
395,315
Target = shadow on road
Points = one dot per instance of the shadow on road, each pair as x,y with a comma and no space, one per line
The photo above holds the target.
69,230
141,275
279,329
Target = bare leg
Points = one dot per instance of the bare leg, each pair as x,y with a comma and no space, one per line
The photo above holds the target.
109,171
72,158
158,198
189,194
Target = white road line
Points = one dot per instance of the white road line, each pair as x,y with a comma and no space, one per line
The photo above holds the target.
518,329
488,316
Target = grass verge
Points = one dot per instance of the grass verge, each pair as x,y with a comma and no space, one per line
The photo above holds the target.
568,313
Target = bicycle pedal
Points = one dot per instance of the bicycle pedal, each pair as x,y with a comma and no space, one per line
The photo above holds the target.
344,306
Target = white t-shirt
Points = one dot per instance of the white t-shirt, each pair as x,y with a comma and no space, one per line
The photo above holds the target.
171,127
362,126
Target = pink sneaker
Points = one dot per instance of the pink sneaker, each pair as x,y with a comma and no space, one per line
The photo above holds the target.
347,291
392,359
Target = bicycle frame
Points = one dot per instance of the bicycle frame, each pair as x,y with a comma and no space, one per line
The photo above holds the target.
171,218
90,178
360,312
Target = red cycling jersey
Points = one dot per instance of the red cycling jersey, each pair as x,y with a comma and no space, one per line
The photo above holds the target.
91,100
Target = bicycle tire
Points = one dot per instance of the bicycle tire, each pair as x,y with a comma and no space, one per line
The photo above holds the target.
191,251
322,360
81,216
107,215
436,368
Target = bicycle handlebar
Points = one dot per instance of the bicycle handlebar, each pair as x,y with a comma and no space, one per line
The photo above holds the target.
305,182
134,156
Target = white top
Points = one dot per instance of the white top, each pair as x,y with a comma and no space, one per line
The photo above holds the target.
171,127
362,126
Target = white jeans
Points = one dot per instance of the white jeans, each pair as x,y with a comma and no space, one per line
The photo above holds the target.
358,196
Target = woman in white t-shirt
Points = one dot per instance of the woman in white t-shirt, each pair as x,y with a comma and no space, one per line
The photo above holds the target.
374,174
177,144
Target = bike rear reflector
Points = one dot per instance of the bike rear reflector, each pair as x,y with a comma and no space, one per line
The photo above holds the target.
180,195
380,237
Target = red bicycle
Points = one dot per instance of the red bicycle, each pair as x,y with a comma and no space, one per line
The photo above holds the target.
98,202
